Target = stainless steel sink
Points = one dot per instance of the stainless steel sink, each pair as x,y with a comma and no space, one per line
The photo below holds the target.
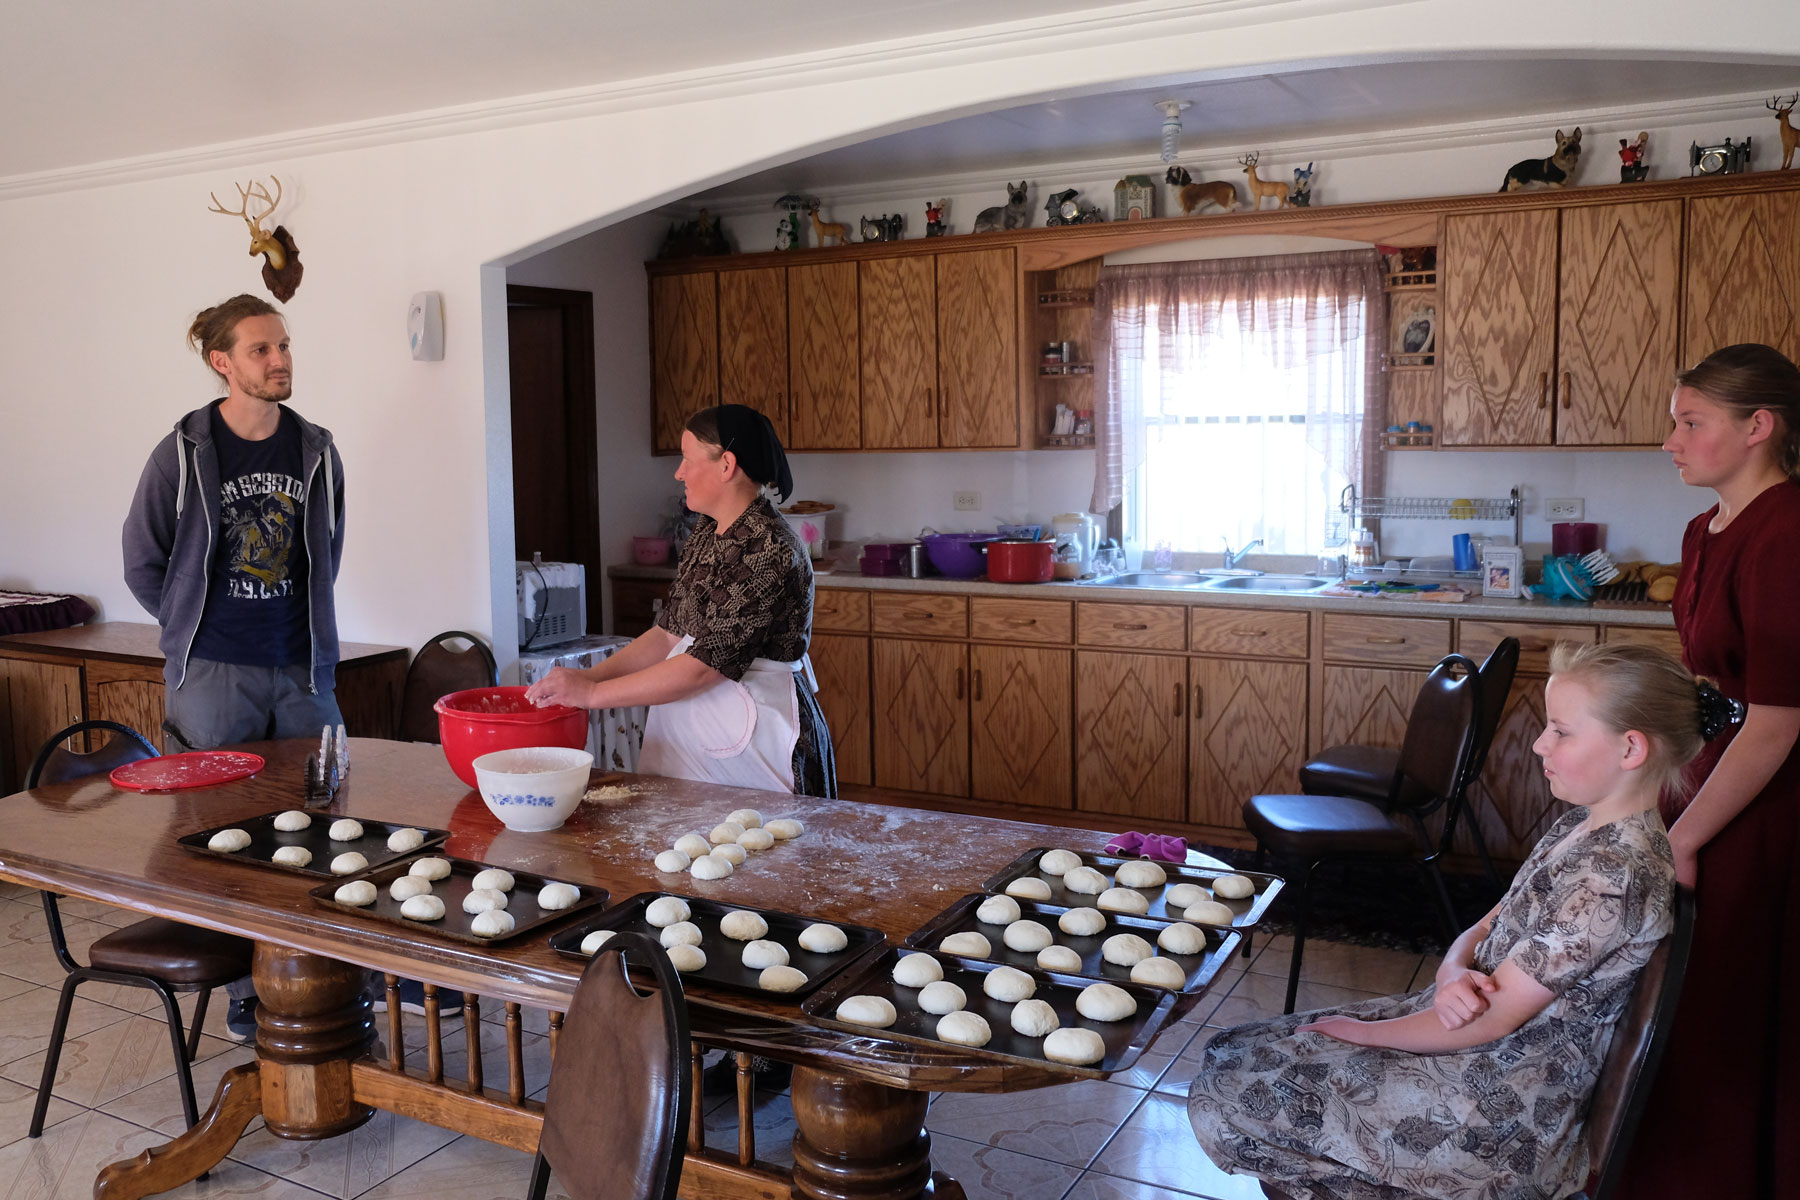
1150,579
1267,583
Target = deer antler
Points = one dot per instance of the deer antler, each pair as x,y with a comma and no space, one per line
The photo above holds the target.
261,241
1250,160
1785,105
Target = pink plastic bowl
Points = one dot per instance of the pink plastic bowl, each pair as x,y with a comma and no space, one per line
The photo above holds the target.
482,720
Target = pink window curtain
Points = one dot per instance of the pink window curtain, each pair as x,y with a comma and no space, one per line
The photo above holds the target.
1203,347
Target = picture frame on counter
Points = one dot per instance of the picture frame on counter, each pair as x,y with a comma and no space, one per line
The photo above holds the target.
1501,571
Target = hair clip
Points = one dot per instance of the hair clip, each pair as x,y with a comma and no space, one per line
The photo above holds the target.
1718,712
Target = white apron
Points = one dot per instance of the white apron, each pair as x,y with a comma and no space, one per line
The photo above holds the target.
738,733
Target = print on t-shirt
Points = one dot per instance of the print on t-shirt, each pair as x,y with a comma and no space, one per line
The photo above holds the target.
260,516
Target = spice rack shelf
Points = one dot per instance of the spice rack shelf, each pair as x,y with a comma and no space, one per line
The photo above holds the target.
1066,298
1064,370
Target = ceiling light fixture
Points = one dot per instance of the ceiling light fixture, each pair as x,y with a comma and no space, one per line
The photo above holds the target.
1171,128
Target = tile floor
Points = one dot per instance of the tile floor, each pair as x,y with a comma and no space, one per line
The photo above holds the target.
1125,1138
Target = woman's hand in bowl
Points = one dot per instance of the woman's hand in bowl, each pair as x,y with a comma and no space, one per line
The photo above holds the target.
561,686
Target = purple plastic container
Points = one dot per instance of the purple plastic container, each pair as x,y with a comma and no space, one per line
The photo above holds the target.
958,555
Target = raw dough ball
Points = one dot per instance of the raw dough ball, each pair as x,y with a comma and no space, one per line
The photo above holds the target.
553,896
998,910
423,908
743,925
592,942
1125,949
1182,938
1123,900
969,945
942,997
496,922
823,939
873,1011
749,818
1104,1002
430,868
1034,1018
760,954
687,958
402,840
672,862
1009,985
666,910
359,893
681,933
1233,887
1058,958
785,829
731,852
710,866
1077,1047
917,970
781,979
1209,912
408,886
693,845
756,839
1026,936
1058,862
292,821
348,864
493,877
725,831
293,856
1140,873
963,1029
1160,972
344,830
480,900
229,840
1084,881
1184,895
1028,887
1082,922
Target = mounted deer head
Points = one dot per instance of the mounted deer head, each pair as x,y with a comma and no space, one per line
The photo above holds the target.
281,258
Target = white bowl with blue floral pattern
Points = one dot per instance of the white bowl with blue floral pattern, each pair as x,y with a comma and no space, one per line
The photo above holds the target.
535,788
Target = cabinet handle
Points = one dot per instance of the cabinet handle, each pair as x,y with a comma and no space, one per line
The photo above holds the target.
959,683
920,616
1121,625
1199,701
977,694
928,408
1253,633
1021,621
1179,690
1385,641
1543,389
1565,392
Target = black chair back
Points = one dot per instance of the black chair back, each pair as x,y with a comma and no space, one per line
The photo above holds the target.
56,763
436,671
1440,737
1497,672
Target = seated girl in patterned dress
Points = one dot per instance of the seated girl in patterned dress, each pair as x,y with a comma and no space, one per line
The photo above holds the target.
1477,1087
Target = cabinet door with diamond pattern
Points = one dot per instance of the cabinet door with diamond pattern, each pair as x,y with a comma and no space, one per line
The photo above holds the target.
1131,735
1020,743
1743,274
921,714
1497,330
1247,735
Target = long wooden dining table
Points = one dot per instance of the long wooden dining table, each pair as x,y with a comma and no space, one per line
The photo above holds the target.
859,1100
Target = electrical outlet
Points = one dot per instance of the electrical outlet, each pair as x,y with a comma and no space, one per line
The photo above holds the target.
968,501
1566,509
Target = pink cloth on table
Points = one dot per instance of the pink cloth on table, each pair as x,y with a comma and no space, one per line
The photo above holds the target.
1149,845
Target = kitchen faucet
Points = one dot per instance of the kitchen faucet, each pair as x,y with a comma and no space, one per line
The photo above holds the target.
1233,558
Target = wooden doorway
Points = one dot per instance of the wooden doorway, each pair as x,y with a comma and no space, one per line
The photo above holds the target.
556,484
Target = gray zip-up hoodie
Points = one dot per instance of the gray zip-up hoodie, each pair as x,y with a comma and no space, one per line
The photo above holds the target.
174,518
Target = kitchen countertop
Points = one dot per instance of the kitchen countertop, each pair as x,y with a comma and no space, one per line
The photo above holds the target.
1476,606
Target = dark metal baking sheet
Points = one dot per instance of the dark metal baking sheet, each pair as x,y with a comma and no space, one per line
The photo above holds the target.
960,917
724,956
1245,913
1125,1040
265,840
521,901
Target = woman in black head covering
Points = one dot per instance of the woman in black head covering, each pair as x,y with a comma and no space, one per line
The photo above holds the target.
725,666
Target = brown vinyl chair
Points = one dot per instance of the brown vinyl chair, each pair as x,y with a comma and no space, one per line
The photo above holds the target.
164,956
436,671
1303,832
1372,773
633,1046
1639,1039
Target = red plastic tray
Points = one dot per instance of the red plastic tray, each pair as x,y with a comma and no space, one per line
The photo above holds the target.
195,769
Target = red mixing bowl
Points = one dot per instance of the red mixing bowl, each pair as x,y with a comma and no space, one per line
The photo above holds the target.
481,720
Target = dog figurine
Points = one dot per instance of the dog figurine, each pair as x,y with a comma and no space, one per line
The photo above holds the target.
1551,172
1192,195
1010,216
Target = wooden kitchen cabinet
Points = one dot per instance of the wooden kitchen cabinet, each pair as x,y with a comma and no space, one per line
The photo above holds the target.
1367,706
636,604
841,662
129,693
920,713
1247,735
684,353
753,343
38,697
978,348
1743,273
1497,330
899,307
1131,734
1020,727
825,412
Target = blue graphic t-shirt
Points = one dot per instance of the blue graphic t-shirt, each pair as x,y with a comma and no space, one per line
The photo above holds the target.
256,607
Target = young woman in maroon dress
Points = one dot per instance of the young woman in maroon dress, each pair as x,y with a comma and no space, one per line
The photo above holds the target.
1724,1117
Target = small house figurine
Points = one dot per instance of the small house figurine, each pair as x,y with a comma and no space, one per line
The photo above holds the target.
1632,167
1134,198
934,218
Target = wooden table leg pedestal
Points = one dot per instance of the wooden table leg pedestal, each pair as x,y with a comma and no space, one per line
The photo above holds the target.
862,1141
237,1102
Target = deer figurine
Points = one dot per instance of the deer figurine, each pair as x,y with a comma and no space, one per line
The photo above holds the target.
281,258
827,229
1789,135
1260,188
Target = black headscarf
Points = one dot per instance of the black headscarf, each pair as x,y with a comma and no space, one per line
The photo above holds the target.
749,435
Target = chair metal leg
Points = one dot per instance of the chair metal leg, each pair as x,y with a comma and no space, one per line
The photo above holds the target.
184,1075
53,1054
540,1177
193,1041
1434,882
1306,884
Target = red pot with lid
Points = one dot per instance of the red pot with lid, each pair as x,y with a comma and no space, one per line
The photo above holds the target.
1016,560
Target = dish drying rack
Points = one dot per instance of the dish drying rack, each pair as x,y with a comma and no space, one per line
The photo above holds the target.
1430,508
